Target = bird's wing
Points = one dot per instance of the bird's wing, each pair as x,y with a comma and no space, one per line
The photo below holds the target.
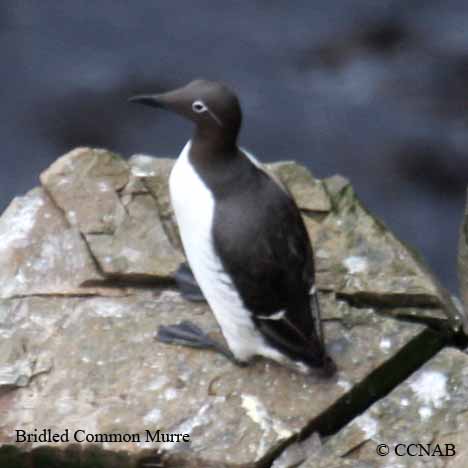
270,262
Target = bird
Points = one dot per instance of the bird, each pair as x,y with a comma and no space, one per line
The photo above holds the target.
244,240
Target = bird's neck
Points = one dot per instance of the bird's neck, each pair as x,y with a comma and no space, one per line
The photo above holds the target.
217,160
210,142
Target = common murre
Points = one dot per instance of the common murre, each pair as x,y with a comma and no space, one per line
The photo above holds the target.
244,239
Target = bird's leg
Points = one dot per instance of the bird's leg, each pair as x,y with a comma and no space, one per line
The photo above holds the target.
188,334
188,285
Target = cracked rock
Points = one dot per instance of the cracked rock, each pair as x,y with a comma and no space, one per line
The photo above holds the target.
358,257
110,375
154,174
84,184
40,253
119,221
431,407
139,245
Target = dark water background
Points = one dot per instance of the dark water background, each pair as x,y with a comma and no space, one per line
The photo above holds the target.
376,90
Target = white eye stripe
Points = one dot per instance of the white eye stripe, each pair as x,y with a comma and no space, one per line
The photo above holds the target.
199,107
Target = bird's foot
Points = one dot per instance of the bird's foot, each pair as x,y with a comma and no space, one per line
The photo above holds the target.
188,334
188,285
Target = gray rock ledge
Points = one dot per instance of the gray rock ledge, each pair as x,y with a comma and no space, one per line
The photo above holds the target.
87,270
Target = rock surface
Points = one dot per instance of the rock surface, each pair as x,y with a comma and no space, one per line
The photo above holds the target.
154,174
83,357
431,407
233,415
36,241
309,193
117,216
357,255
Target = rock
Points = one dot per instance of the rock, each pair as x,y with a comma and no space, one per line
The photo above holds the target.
336,462
40,253
68,361
431,407
139,246
309,192
114,211
84,184
358,257
154,174
134,384
298,452
463,262
91,456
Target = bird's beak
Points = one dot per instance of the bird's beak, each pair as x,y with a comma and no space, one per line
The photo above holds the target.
177,100
172,100
152,100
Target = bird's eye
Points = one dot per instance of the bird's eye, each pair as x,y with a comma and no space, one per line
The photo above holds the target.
199,107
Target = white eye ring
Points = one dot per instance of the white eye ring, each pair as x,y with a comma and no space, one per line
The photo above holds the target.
199,107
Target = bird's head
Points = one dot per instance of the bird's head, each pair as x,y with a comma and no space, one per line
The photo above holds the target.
211,105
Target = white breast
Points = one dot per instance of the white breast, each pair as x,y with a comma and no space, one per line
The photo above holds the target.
194,207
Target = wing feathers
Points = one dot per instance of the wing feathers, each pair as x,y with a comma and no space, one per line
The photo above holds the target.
270,262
